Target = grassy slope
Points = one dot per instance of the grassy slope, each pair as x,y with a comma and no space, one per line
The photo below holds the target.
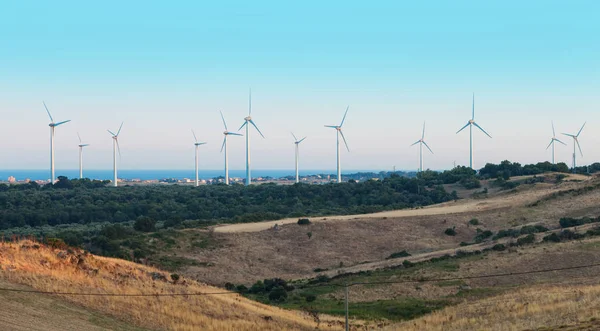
50,269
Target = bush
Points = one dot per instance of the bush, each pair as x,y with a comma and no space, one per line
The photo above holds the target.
278,294
474,221
175,278
528,239
257,288
499,247
304,221
145,224
450,231
507,233
407,264
241,289
230,286
483,236
553,237
311,298
404,253
470,183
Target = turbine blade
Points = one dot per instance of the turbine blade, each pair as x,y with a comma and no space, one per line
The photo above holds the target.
424,143
48,111
85,145
345,143
194,133
473,116
234,134
250,101
568,134
119,148
331,126
580,130
416,142
225,124
61,123
560,141
78,136
553,132
111,133
423,136
223,146
344,119
295,139
578,146
550,144
256,127
118,132
301,140
463,127
480,128
243,125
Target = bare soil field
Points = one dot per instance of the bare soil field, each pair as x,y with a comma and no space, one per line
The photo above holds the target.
246,253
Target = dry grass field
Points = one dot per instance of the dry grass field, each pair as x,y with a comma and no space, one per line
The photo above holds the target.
55,270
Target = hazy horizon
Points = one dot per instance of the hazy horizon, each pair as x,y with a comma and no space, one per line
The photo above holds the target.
165,69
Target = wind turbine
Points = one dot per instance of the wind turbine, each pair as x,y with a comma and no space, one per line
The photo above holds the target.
248,119
470,124
552,141
52,127
575,142
297,143
115,148
81,146
339,132
197,144
226,133
422,142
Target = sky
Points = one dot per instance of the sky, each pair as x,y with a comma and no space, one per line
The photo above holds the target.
165,69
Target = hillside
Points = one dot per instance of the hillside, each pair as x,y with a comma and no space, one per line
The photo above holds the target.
57,270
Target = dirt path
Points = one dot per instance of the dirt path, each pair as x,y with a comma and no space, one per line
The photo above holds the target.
453,207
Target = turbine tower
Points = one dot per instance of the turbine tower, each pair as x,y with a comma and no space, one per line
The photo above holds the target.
197,144
116,148
248,119
422,142
52,127
575,142
470,124
552,141
297,143
81,146
339,132
226,133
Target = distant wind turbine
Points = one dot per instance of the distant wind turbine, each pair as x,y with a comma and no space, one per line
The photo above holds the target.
470,124
248,119
52,127
197,144
226,133
552,141
81,146
575,142
339,132
297,143
422,142
116,148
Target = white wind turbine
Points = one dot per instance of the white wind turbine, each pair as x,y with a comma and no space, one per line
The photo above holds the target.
339,132
297,143
226,133
552,141
575,142
470,124
248,119
115,148
422,142
81,146
197,144
52,127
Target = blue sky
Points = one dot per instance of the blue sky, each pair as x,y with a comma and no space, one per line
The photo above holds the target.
167,68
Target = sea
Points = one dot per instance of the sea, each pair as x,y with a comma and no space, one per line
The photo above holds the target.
130,174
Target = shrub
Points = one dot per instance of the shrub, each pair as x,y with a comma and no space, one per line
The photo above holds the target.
483,236
450,231
474,221
553,237
404,253
528,239
230,286
258,287
407,264
304,221
499,247
278,294
175,278
470,183
309,235
311,298
241,289
507,233
145,224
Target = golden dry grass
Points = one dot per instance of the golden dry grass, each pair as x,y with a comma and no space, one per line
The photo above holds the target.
49,269
547,307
